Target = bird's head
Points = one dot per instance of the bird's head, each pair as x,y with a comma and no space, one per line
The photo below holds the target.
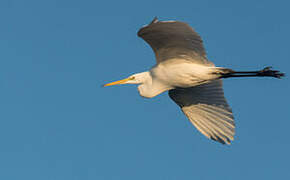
146,86
138,78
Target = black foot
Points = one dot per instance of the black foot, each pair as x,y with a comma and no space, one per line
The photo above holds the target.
273,73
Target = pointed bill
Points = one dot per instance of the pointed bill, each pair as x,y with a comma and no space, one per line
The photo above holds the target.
123,81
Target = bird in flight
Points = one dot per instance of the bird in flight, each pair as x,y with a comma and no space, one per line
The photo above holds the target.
192,81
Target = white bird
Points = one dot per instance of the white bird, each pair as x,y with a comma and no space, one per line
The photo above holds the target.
193,82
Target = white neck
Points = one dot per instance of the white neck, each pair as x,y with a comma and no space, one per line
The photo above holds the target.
149,86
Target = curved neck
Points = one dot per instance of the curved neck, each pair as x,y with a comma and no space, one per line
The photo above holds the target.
150,86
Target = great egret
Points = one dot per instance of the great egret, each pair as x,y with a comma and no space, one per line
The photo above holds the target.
193,82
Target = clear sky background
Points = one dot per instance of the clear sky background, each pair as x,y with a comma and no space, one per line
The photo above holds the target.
57,123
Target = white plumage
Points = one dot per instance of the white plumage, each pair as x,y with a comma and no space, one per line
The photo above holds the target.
193,82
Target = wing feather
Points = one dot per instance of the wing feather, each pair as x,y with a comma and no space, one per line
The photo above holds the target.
174,39
206,107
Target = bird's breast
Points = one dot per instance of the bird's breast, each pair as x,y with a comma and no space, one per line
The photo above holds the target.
181,73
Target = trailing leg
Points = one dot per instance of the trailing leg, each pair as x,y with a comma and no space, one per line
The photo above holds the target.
266,72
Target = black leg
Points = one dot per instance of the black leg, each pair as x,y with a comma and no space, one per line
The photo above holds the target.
263,73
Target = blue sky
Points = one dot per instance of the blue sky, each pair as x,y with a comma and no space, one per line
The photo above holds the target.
56,122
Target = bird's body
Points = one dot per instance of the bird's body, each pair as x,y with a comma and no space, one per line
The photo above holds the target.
176,73
193,82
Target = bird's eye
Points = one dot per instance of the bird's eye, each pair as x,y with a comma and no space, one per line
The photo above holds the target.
131,78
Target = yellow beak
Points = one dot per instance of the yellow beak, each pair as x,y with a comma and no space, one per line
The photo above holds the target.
123,81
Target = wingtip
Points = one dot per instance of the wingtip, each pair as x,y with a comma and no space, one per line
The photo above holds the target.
223,141
155,20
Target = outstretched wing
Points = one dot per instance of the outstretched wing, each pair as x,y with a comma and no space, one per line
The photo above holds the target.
174,39
207,109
